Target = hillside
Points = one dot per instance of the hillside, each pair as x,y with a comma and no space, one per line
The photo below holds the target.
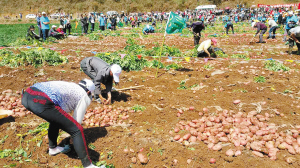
8,7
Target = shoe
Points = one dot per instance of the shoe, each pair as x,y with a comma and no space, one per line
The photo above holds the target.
58,150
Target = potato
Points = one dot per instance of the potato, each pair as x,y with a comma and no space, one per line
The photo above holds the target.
142,158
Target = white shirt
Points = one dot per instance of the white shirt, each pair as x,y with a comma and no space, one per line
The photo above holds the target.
204,45
92,20
272,23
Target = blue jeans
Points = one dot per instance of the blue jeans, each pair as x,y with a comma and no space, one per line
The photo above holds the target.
272,29
45,33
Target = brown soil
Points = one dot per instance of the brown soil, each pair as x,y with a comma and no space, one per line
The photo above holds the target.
150,129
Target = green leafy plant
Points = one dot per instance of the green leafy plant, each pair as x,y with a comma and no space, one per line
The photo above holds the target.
239,56
221,54
275,66
182,85
208,66
287,91
35,57
138,107
260,79
174,66
95,36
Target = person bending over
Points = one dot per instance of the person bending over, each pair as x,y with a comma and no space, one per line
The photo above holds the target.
101,73
53,101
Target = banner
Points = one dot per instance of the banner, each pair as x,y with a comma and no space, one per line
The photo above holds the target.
279,5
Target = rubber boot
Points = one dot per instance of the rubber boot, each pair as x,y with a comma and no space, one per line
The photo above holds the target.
290,50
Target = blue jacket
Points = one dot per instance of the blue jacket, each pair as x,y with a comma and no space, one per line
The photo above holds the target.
44,19
276,16
290,19
225,18
147,29
102,21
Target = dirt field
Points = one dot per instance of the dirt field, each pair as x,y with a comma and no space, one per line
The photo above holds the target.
149,132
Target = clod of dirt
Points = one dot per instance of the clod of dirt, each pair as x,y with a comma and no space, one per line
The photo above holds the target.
228,159
142,158
43,160
133,160
217,72
52,164
290,160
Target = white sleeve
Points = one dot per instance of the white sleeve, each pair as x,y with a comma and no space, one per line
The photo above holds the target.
80,109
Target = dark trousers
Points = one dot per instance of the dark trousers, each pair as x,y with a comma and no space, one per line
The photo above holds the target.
41,105
102,28
262,32
58,36
228,27
92,27
40,32
69,30
273,30
45,33
196,39
203,53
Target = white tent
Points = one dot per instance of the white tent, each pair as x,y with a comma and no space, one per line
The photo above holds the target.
206,7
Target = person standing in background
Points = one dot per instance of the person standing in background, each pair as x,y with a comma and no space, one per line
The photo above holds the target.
113,21
92,21
38,20
45,25
86,23
102,22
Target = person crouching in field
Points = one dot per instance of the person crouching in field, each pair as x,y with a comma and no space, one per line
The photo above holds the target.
205,49
294,34
31,35
53,101
148,29
54,33
228,25
262,28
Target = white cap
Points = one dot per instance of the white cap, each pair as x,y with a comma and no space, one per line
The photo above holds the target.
87,84
43,13
291,12
253,24
53,26
116,71
101,14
